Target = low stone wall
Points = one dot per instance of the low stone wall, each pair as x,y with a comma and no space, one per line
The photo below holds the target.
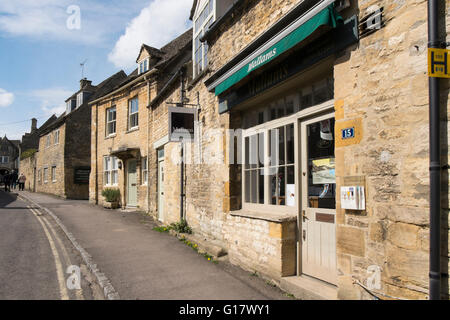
265,247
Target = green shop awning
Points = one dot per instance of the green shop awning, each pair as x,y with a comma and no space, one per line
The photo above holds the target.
327,16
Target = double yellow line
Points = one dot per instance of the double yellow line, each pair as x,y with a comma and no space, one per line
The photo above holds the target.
49,231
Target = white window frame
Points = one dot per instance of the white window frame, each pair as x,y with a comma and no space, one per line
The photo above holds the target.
56,137
144,65
108,122
53,174
80,99
144,171
110,171
201,50
40,176
134,114
295,118
48,141
45,175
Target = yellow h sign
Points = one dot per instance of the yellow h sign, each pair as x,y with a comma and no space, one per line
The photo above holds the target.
438,63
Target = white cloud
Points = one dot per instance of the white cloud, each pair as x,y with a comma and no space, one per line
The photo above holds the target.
52,101
47,19
6,98
156,25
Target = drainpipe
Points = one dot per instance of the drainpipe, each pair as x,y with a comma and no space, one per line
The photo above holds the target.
435,162
148,143
182,153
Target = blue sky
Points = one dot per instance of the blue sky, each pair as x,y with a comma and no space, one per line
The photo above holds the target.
43,42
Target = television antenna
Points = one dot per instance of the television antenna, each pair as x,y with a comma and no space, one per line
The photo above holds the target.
82,68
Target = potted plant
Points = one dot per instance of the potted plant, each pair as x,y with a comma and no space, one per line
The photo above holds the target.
112,197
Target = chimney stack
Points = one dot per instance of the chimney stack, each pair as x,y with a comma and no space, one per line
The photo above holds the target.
33,125
85,83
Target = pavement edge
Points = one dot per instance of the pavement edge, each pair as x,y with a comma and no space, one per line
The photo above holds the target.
108,290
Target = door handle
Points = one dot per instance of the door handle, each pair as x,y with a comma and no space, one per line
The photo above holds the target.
133,184
304,216
304,235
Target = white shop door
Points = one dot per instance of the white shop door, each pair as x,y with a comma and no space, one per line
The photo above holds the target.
318,209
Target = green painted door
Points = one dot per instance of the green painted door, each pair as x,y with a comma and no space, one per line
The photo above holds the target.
132,184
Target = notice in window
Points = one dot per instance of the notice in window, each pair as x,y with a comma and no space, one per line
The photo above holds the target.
323,171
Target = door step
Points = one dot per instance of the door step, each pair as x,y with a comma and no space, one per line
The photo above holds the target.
308,288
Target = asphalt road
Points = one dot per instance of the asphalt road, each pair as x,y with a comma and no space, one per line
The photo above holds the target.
35,257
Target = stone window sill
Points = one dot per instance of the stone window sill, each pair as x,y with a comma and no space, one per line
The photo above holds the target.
258,215
111,136
133,130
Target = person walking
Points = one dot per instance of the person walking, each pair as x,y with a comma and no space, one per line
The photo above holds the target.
7,181
22,180
13,180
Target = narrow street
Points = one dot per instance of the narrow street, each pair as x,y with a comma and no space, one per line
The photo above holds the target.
35,256
140,263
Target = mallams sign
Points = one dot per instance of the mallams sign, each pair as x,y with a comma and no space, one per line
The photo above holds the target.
262,59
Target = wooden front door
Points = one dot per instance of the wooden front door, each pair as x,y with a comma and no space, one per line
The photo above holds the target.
131,183
318,208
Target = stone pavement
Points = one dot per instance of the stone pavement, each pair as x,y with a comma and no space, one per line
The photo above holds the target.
142,263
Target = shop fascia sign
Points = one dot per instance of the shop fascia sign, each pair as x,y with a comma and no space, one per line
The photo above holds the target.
181,124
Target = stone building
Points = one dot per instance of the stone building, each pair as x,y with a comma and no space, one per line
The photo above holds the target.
311,164
63,159
29,148
123,126
309,158
9,156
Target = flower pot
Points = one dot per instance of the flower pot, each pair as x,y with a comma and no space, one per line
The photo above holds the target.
111,205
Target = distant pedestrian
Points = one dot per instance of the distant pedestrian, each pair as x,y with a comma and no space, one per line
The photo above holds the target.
7,181
13,180
22,180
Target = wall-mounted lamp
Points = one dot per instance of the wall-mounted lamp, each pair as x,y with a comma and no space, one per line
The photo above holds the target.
120,165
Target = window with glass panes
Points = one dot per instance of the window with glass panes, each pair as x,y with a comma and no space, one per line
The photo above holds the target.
144,169
133,113
110,171
110,121
254,168
201,24
269,142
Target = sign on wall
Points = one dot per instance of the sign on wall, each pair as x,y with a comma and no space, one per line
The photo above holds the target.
181,124
81,175
438,63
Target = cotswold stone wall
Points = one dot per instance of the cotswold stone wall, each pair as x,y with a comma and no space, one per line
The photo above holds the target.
27,168
244,26
47,157
381,88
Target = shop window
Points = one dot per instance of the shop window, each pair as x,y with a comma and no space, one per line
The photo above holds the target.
254,169
110,171
110,121
282,165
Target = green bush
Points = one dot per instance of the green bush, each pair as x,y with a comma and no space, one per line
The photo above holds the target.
27,154
111,195
181,227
